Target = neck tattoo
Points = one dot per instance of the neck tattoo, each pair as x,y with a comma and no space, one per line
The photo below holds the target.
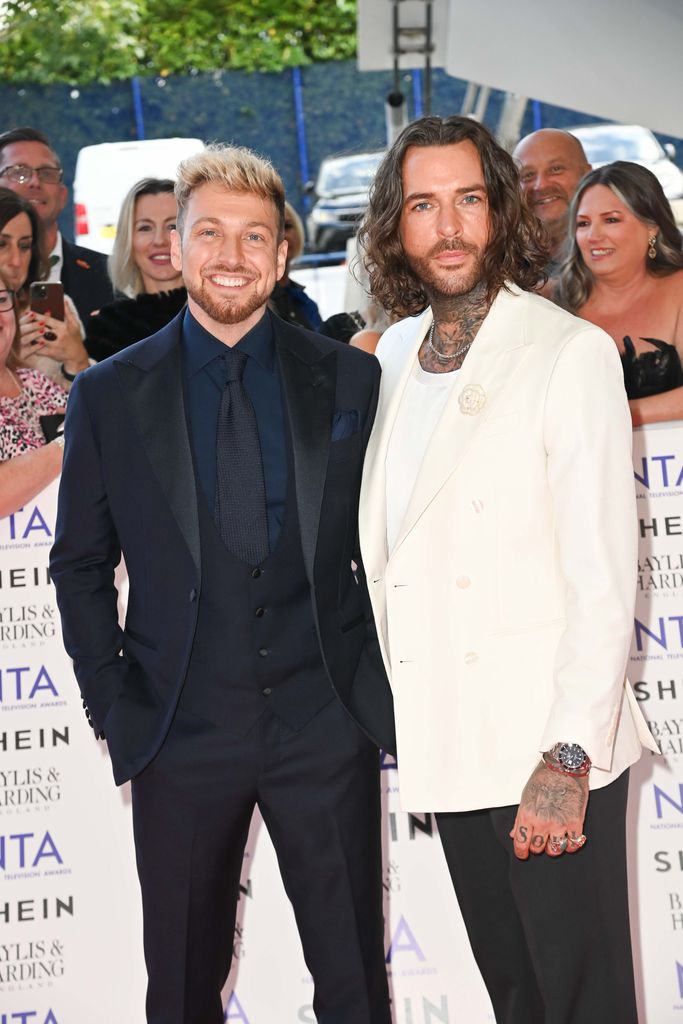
460,352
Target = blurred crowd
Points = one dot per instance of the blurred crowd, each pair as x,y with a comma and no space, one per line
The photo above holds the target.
615,259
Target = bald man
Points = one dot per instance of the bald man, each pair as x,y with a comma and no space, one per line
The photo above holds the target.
551,164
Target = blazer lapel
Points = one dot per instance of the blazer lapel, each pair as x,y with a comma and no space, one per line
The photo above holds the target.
152,382
396,371
309,386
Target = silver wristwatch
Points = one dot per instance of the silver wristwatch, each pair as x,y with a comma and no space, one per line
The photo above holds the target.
569,758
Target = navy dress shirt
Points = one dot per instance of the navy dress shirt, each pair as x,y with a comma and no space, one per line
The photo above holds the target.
204,381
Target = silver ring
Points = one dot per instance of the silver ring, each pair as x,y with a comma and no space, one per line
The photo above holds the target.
578,842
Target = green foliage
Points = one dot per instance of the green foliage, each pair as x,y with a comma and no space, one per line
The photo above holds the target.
82,41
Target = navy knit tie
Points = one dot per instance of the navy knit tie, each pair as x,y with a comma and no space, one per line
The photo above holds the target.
240,509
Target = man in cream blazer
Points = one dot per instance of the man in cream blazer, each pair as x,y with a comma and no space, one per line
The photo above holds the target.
498,533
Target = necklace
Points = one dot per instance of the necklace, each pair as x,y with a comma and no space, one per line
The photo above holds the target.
442,355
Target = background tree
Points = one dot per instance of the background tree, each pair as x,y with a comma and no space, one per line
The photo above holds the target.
83,41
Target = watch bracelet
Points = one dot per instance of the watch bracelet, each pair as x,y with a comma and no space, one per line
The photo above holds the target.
556,766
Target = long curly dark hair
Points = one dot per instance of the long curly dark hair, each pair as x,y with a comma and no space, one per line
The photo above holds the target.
517,249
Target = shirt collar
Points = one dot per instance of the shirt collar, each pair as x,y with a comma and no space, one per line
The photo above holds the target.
201,347
55,270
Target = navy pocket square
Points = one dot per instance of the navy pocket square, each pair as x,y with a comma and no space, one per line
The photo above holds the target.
344,424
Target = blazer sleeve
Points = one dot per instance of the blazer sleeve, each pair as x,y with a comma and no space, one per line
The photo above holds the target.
588,438
83,559
370,701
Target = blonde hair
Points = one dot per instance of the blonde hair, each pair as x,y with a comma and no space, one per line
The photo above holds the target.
123,270
298,247
237,169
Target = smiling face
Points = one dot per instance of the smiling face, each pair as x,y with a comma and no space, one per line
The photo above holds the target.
154,220
16,239
551,165
609,236
47,199
444,223
230,257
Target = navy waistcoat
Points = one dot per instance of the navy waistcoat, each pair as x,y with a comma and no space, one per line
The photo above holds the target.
256,645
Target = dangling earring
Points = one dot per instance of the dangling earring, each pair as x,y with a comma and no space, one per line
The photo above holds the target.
652,252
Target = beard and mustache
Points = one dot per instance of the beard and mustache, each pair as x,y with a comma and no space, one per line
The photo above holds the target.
229,309
447,282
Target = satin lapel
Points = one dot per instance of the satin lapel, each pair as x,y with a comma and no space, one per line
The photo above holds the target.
499,347
309,394
396,370
155,398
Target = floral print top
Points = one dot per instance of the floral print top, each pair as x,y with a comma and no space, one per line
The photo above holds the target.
20,429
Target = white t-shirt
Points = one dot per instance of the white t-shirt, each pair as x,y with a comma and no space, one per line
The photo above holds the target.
421,406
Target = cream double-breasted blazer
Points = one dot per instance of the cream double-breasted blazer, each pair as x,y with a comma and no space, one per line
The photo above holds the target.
505,611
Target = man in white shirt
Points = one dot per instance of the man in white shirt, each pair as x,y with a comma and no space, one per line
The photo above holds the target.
30,167
498,533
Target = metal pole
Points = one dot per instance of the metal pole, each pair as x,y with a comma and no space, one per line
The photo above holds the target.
428,62
418,109
300,120
137,107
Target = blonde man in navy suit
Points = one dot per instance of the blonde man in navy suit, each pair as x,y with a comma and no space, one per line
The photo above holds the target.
222,457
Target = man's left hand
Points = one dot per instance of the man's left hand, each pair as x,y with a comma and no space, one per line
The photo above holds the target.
550,814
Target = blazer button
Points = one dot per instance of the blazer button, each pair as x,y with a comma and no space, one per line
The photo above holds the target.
463,582
260,612
193,595
471,658
266,691
255,573
263,652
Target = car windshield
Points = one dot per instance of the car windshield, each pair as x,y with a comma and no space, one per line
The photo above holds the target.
348,174
602,145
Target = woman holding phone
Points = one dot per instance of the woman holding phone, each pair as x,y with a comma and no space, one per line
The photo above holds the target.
51,338
27,399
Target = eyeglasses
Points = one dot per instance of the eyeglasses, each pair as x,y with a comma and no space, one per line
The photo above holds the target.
6,301
21,173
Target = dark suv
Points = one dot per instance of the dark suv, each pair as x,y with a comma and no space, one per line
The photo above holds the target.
342,197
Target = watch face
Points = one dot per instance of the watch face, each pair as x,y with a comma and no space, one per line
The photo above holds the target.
571,755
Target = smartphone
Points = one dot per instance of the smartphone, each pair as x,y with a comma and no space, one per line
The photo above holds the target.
47,298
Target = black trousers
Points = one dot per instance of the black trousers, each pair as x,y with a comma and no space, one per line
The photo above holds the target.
550,935
318,793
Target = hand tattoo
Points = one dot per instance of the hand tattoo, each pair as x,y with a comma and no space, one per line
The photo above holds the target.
552,797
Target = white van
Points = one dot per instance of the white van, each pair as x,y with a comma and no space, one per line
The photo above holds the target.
105,173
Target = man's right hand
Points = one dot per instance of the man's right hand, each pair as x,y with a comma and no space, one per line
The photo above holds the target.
552,809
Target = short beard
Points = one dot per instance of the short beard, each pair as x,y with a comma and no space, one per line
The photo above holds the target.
229,311
443,285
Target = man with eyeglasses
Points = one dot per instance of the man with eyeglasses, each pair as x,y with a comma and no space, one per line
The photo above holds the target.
30,167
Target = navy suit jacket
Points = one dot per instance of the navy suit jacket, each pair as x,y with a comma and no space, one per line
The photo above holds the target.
128,486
